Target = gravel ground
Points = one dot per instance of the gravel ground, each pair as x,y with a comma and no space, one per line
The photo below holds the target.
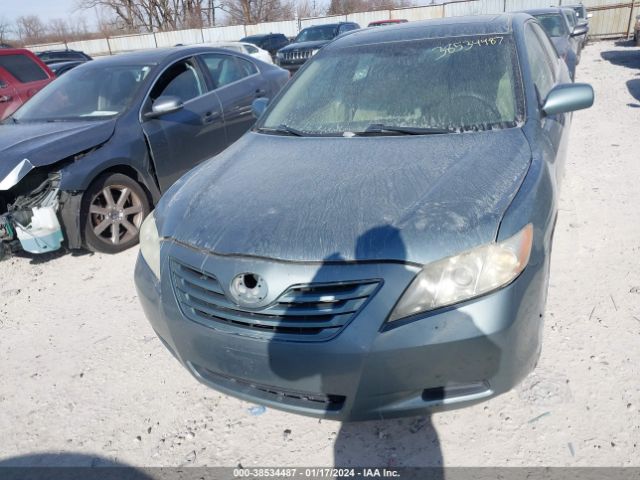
84,379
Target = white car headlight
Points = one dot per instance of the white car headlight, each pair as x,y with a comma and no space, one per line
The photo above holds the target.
150,244
314,51
467,275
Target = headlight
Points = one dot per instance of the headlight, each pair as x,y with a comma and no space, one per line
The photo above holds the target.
150,244
314,51
467,275
279,54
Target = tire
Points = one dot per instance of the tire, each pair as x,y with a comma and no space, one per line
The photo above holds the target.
111,222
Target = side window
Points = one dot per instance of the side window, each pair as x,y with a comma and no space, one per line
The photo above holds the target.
226,69
251,48
23,68
539,62
181,80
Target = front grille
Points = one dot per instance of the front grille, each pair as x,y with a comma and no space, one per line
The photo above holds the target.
316,401
309,312
296,55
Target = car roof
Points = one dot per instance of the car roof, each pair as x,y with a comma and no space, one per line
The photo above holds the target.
15,51
263,35
156,55
542,11
442,27
59,51
337,24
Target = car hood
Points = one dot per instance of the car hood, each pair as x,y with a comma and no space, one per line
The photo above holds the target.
406,199
25,146
304,45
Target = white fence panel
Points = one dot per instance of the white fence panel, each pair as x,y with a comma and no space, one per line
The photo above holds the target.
517,5
47,46
364,18
129,43
609,20
92,47
308,22
185,37
419,13
289,28
477,7
217,34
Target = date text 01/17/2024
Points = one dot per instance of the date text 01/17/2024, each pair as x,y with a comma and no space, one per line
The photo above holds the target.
319,472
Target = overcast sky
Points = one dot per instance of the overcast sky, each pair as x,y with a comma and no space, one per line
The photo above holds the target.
45,9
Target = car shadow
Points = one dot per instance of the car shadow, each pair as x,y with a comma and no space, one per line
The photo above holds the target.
41,258
634,89
404,442
625,42
67,466
623,58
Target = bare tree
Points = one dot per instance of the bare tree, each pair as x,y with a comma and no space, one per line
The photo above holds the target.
257,11
5,29
152,15
30,29
344,7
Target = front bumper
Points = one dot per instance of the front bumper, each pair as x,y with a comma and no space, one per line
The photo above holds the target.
447,359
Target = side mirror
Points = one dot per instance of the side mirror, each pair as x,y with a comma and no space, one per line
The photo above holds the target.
258,106
164,105
579,30
568,97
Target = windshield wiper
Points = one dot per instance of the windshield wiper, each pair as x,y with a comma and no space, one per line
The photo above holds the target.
381,129
283,130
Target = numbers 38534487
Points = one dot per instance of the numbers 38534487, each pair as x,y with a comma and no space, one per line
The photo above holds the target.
466,45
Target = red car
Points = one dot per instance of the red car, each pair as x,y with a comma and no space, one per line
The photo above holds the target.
22,74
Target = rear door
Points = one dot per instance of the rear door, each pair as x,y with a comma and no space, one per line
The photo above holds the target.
9,99
237,82
182,139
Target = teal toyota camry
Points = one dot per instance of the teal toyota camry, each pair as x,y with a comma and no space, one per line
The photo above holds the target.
378,244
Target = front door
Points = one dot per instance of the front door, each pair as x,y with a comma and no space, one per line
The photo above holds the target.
182,139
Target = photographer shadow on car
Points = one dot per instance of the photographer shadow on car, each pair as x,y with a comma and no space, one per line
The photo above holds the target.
376,379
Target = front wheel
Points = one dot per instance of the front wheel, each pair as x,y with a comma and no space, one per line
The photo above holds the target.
114,207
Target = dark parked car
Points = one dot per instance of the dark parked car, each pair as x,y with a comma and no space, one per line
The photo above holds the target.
95,149
63,67
561,34
308,42
579,30
56,56
271,42
384,23
379,244
22,75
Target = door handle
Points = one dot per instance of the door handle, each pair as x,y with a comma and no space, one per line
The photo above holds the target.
210,117
5,98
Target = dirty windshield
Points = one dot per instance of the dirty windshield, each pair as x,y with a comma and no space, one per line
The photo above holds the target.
412,87
92,91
